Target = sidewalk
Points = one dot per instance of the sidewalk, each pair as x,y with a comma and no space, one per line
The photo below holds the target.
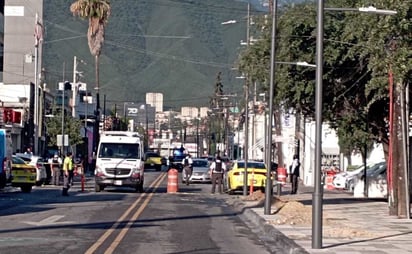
351,225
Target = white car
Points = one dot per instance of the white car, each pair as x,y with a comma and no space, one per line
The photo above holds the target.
345,180
200,172
376,182
38,162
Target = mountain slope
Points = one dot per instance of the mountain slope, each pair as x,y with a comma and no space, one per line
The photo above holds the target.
173,47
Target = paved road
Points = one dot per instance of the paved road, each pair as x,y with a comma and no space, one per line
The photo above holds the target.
119,220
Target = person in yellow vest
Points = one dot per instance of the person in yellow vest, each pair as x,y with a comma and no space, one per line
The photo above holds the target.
67,171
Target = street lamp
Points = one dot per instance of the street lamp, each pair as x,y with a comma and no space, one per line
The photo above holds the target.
369,9
297,63
268,192
317,194
268,150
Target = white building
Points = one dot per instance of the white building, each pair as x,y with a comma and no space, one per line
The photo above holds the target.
190,112
155,100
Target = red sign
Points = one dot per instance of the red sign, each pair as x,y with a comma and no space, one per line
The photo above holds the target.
16,117
8,115
11,116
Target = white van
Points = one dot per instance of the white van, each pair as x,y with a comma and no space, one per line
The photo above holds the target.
119,160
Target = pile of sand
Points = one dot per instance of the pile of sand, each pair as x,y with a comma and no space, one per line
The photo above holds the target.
292,212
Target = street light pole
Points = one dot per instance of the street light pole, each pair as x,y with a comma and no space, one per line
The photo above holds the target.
147,126
246,143
318,192
74,90
38,38
317,196
268,192
197,135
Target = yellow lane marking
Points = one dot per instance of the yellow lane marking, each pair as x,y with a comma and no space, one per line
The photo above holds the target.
123,232
106,235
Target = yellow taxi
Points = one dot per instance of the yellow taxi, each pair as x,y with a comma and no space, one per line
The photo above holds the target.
23,174
153,160
256,172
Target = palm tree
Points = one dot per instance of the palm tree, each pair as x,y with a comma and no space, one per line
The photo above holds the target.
97,12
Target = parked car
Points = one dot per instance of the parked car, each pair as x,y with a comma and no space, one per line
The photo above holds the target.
375,179
153,160
23,175
200,172
39,163
234,177
345,180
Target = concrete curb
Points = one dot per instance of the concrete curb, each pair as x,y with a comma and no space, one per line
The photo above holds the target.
275,240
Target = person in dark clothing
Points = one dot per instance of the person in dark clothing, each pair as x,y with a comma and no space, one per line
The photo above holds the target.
170,163
294,174
217,170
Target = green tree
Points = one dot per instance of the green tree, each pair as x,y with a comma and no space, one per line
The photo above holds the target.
357,60
355,68
71,128
97,12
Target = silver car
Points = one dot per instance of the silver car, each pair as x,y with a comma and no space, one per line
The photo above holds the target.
200,172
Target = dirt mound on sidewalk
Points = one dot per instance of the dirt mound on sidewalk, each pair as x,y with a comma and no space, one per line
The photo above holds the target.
288,211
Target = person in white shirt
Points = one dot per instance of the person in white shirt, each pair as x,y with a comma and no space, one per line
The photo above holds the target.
55,166
187,167
217,169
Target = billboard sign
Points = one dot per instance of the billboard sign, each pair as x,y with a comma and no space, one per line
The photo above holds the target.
132,111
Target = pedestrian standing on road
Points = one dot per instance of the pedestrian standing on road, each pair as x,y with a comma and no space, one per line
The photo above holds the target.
28,151
170,162
55,165
217,170
79,165
67,168
72,171
187,168
294,174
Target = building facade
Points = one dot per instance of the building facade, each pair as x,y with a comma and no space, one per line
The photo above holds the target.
21,62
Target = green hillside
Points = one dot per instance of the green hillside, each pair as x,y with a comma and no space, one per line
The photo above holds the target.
173,47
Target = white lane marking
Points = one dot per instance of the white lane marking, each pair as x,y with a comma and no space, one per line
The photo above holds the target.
49,221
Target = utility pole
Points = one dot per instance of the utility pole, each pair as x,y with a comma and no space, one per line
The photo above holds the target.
104,113
64,88
74,88
268,150
38,39
246,145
